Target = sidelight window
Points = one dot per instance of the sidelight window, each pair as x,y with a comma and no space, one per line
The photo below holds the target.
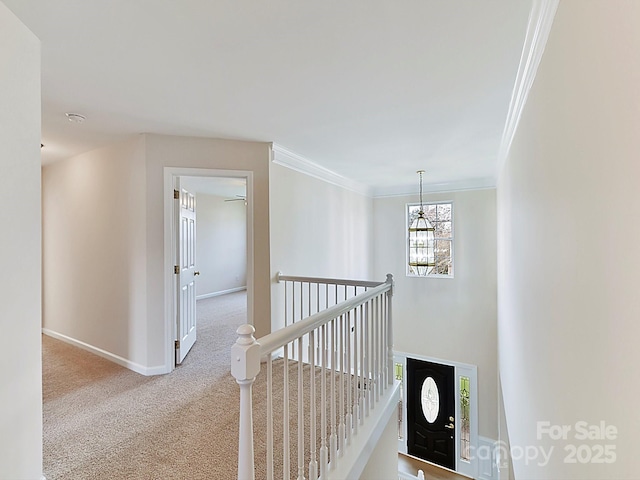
465,427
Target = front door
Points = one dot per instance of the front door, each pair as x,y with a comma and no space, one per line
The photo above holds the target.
430,412
186,254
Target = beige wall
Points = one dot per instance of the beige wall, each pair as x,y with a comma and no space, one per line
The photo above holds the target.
569,239
447,318
94,261
317,229
221,249
192,152
104,241
20,297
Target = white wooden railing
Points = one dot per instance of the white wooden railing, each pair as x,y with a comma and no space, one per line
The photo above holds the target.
326,371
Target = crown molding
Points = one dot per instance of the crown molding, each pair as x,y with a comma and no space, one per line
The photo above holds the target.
540,22
458,186
289,159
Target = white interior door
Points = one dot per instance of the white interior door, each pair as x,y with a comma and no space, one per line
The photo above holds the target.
186,271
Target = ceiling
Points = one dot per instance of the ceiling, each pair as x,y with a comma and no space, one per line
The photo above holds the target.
371,90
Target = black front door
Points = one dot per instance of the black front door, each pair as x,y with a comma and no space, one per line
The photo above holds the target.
430,412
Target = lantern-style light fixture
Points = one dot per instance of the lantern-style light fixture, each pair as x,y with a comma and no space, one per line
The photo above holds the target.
421,241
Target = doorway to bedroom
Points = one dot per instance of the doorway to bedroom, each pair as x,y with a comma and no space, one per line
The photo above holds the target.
210,232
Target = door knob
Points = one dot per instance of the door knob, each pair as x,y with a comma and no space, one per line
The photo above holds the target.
196,273
450,426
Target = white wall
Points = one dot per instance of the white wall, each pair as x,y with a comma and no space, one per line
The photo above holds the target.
20,296
569,237
383,462
317,229
94,261
221,249
447,318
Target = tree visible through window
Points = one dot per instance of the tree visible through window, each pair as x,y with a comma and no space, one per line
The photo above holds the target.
440,215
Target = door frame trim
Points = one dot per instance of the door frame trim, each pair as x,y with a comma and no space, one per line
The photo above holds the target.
170,173
471,468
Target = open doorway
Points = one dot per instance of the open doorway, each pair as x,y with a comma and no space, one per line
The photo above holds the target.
213,271
219,262
221,234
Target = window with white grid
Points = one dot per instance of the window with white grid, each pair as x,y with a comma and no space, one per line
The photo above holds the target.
440,215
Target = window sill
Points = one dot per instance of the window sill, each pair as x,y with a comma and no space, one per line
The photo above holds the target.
429,276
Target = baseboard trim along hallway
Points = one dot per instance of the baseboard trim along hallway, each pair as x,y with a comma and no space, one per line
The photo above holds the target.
136,367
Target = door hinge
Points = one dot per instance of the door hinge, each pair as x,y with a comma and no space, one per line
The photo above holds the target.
176,195
176,269
177,344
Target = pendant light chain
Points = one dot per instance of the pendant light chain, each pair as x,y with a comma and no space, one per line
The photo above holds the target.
421,241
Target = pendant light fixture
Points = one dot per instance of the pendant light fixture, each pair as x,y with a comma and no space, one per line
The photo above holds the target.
421,241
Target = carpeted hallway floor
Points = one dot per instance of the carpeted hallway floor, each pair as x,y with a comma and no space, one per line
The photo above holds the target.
102,421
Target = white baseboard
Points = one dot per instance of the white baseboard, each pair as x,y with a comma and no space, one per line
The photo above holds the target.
136,367
221,292
487,467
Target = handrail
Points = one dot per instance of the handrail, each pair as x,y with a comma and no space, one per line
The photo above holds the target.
330,281
272,341
353,354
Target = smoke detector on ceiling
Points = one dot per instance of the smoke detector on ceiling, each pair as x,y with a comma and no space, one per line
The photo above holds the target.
76,117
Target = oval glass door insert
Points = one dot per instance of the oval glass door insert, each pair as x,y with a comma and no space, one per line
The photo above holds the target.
430,399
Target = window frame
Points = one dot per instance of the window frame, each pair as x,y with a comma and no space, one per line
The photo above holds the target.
406,238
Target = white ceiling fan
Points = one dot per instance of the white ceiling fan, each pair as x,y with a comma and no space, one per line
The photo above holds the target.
239,197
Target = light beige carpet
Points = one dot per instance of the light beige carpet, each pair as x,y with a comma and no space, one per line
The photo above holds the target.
102,421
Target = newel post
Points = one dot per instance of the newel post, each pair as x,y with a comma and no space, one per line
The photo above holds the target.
245,366
390,372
